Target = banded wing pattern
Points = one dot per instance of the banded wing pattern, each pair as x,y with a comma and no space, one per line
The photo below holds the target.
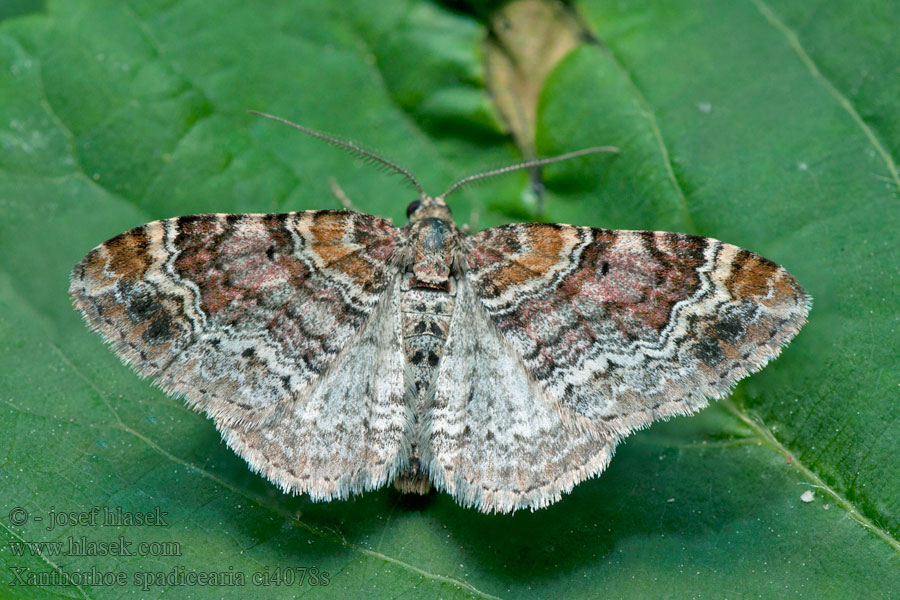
249,318
499,442
598,332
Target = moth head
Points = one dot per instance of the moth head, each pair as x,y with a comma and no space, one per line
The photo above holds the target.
427,207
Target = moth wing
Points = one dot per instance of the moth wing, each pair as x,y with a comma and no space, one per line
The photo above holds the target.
498,441
245,316
625,327
614,329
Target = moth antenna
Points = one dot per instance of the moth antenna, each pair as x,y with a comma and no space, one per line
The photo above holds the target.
537,162
347,145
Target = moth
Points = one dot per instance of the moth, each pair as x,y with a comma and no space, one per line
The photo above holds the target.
336,352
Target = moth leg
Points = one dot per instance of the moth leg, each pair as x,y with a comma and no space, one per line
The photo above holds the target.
340,195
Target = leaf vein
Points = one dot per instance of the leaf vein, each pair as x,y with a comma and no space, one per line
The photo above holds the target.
49,562
334,537
772,442
794,42
648,111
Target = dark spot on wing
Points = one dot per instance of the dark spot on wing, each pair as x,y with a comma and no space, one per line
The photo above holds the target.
728,329
159,331
709,351
142,308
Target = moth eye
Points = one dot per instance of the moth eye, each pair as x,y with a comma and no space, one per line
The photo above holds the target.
413,207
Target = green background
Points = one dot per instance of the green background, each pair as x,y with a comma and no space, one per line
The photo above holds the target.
770,124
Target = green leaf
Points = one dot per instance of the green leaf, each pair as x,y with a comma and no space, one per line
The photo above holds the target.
766,124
